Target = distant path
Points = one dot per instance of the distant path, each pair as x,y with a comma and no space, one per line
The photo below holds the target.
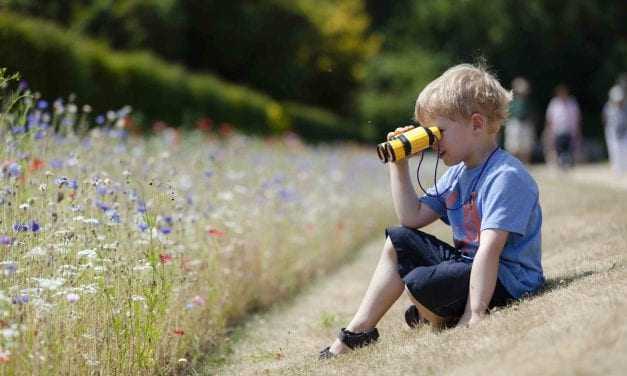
577,326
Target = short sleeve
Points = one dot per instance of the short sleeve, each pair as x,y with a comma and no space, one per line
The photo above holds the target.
435,198
508,202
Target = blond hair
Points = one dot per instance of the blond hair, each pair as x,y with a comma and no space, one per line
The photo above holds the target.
462,91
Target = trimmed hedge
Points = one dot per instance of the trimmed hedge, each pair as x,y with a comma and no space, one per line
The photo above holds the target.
53,60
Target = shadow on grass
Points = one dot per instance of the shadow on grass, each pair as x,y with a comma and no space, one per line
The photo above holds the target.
561,281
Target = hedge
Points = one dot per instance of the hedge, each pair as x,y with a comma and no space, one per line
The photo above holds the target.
55,62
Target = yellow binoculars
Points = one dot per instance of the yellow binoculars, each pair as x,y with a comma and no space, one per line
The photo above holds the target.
408,143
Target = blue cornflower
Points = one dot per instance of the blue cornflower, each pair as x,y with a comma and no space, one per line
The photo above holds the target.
40,134
33,121
287,194
165,230
42,104
14,169
102,206
102,190
56,163
141,206
168,219
34,226
113,215
20,227
208,173
67,122
20,299
20,129
100,119
61,181
73,184
142,226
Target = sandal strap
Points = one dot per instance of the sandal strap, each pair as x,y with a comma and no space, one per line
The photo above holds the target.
353,340
326,353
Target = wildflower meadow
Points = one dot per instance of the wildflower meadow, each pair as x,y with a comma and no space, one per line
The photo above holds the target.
122,254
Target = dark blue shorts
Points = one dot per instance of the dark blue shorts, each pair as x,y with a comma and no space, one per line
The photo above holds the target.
435,273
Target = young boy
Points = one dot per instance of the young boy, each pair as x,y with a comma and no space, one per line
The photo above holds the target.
486,196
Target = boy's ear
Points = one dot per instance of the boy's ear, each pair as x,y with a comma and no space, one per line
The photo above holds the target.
478,121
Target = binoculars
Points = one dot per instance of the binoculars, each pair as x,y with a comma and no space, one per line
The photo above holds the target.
408,143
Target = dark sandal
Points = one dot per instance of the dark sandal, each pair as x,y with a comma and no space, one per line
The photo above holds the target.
412,317
352,341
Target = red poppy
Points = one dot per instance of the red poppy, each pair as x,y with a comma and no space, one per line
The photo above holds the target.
205,124
179,332
36,164
226,129
165,258
216,233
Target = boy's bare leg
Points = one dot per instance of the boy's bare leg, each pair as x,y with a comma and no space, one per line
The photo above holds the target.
385,288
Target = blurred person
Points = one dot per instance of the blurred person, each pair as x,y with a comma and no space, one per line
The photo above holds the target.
487,197
520,134
562,133
615,122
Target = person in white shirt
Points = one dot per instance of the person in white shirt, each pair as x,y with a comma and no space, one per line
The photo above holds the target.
562,133
615,122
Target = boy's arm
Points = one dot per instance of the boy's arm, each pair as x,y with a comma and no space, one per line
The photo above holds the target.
409,210
483,275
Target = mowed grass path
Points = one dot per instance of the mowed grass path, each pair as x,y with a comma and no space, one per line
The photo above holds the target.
578,325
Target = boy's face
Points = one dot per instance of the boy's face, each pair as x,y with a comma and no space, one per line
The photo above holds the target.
456,142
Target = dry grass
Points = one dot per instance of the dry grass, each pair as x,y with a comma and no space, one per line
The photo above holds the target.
576,326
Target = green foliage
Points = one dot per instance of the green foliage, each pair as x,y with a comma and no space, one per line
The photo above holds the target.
306,50
580,43
318,125
392,85
53,61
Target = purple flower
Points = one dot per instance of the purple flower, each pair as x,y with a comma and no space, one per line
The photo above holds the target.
100,119
141,206
42,104
23,85
34,226
165,230
142,226
40,134
5,240
72,298
102,206
72,184
18,130
20,227
102,190
56,163
168,219
33,120
20,299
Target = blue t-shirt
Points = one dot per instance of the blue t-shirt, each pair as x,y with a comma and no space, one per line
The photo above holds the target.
499,194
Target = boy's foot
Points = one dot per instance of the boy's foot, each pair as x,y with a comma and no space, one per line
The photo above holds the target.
348,340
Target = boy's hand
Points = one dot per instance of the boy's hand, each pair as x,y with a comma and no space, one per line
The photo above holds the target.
399,130
469,320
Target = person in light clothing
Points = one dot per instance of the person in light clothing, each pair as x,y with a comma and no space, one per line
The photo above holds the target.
520,134
488,199
615,121
563,128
